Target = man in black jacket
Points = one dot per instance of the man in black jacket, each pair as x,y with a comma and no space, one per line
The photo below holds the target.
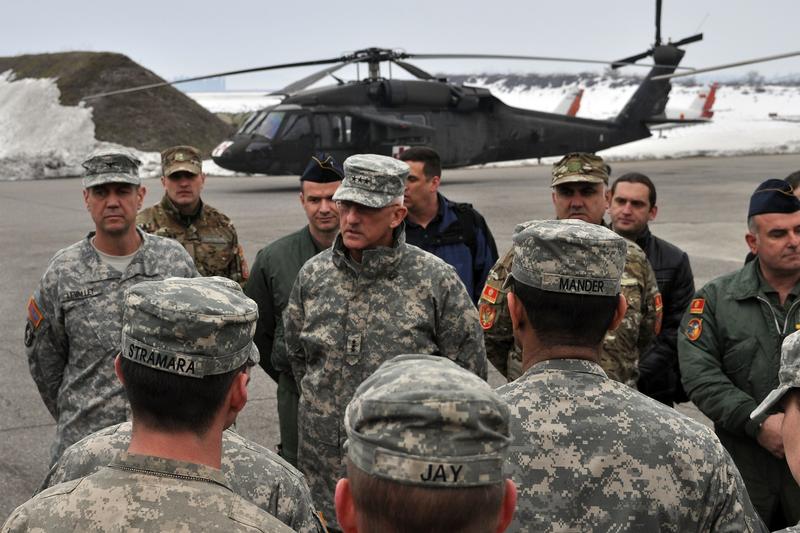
633,205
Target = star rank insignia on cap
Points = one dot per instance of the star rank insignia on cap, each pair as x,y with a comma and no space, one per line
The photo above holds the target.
697,306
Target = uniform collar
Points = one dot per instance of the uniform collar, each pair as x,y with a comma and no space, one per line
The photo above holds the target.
141,263
583,366
749,282
159,466
374,262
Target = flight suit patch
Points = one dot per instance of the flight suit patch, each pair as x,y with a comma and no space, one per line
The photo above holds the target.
487,314
35,315
697,306
694,328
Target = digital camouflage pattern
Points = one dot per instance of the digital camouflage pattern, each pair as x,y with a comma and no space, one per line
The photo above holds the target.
608,458
143,493
568,256
580,167
208,236
424,420
788,375
344,319
620,351
372,180
111,167
189,327
73,332
252,471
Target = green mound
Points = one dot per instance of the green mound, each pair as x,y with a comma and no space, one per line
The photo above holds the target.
147,120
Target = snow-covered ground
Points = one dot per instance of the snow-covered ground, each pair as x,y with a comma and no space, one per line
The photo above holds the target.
39,138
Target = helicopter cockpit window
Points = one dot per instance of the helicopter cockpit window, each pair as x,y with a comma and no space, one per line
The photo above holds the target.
270,125
252,121
297,127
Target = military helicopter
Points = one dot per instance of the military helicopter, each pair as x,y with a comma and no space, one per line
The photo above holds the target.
467,125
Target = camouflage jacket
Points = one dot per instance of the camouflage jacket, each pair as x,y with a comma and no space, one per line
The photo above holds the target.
73,332
209,237
619,356
612,459
252,471
143,493
344,319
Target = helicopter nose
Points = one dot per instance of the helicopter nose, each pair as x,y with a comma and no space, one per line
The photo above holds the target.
220,149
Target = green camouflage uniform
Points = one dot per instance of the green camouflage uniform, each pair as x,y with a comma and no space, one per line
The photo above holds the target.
142,493
344,319
252,471
590,454
208,236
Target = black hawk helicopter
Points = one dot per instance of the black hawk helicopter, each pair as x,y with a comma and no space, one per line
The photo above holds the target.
466,125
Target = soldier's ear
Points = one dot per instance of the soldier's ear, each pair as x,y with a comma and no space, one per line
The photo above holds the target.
508,506
619,313
345,507
118,368
519,317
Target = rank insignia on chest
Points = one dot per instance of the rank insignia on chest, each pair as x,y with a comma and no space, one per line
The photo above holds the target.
697,306
489,294
487,313
694,328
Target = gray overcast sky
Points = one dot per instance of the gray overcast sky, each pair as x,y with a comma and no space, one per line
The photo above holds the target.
177,38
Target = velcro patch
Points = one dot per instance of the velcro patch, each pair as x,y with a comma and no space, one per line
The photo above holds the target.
487,314
35,315
490,294
697,306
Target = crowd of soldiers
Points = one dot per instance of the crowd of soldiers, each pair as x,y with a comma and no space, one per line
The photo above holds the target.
377,320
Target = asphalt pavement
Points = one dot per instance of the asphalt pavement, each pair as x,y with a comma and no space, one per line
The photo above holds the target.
702,209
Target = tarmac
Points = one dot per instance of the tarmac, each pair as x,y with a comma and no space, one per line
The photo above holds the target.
702,209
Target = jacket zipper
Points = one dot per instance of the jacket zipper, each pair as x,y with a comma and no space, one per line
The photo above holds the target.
781,332
166,474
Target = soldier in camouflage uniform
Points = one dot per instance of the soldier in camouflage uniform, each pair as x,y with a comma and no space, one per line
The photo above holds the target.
426,442
589,453
207,234
186,350
579,192
368,298
787,396
252,471
74,316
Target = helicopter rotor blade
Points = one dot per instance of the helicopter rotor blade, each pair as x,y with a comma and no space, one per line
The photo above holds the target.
412,69
687,40
658,22
217,75
631,60
728,65
531,58
301,84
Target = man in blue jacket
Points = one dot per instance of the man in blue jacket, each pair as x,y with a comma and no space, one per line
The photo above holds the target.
454,232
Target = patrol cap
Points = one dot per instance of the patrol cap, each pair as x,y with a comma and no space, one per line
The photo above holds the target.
773,196
424,420
111,167
580,167
323,168
181,159
568,256
788,375
372,180
191,327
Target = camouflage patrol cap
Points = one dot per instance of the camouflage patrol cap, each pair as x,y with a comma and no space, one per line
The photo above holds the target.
424,420
111,167
372,180
191,327
580,167
788,375
568,256
181,159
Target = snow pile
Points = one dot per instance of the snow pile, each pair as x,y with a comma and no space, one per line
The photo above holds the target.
234,101
40,138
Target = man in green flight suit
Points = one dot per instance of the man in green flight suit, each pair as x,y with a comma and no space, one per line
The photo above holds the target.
273,275
729,350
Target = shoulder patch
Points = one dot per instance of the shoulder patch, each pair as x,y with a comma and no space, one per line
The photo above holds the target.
489,294
659,302
487,314
694,328
35,315
697,306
